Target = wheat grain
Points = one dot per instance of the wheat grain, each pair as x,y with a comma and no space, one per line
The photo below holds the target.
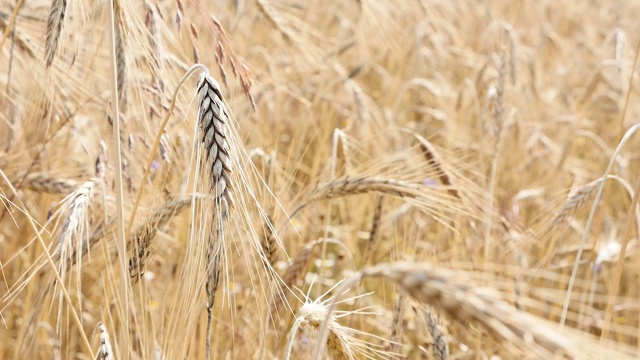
54,29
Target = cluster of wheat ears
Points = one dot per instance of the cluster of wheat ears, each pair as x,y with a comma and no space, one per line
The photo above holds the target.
272,179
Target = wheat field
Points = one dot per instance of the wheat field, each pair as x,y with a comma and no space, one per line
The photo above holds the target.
362,179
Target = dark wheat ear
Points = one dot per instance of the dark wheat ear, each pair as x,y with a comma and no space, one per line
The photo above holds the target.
54,29
212,119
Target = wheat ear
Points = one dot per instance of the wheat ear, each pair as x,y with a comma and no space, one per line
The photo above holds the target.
368,184
54,29
41,182
575,201
140,239
268,242
105,351
312,314
451,292
120,56
440,346
431,155
212,120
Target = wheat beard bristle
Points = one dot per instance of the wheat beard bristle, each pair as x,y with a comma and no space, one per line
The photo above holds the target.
212,118
54,29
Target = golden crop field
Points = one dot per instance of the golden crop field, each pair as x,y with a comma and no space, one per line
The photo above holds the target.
339,179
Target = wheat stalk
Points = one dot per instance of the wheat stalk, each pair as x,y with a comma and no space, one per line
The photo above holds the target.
54,29
21,43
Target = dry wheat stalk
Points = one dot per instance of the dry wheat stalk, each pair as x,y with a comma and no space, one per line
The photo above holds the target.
21,43
54,29
105,351
451,292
